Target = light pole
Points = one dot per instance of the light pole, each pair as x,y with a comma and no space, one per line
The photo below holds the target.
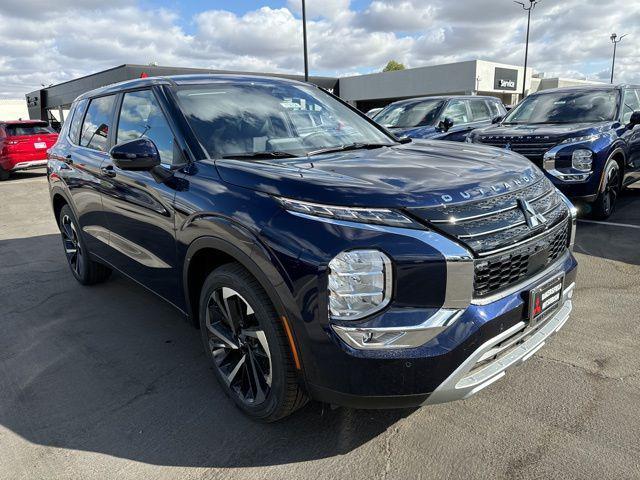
531,6
304,40
616,41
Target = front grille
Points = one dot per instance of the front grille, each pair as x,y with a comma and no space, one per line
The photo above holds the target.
507,249
531,146
499,271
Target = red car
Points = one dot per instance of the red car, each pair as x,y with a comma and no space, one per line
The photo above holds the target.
24,145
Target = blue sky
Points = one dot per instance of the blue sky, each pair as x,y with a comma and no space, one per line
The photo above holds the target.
569,37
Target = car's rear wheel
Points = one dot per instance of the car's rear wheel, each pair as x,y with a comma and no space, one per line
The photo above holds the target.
605,203
247,345
4,175
86,270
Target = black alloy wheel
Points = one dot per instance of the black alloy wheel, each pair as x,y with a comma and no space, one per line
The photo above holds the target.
239,346
72,247
605,204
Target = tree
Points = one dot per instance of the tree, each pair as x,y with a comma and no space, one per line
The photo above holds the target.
393,66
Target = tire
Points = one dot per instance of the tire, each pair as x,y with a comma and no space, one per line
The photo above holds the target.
4,175
84,269
604,205
247,345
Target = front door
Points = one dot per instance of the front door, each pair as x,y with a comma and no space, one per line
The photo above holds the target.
139,209
457,111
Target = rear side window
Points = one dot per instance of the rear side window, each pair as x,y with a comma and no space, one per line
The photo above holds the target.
479,110
27,129
97,122
76,120
141,116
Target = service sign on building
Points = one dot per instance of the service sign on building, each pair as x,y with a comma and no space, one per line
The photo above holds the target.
505,79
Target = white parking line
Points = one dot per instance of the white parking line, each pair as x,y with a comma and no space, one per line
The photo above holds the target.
611,224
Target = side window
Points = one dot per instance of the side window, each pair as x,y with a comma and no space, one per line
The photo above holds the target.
495,109
479,110
141,116
456,110
76,120
97,122
630,103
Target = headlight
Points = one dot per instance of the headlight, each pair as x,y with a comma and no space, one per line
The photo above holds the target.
583,139
582,160
379,216
360,283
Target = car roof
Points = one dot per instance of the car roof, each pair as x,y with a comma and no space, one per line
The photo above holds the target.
23,122
444,97
176,80
587,88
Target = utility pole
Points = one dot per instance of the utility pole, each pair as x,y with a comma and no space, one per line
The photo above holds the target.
616,41
531,6
304,40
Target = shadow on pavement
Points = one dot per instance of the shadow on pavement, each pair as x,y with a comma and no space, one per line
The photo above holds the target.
114,370
619,243
25,174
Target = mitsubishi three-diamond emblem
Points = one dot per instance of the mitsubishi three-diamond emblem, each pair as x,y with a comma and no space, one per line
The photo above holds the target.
534,218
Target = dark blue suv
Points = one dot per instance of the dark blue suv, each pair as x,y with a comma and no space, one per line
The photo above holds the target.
442,118
320,256
585,139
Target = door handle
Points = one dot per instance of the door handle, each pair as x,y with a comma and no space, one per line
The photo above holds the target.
108,171
68,160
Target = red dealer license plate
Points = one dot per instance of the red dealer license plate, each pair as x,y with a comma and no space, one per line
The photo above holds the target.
545,298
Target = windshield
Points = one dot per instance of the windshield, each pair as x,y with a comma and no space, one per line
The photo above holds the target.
28,129
566,107
251,118
407,115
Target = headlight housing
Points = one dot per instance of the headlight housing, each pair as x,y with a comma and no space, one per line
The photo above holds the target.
582,160
378,216
360,284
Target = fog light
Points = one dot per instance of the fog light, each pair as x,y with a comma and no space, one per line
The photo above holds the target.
582,160
360,283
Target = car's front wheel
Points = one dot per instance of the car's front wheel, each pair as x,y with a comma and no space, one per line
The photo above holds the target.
86,270
605,203
245,340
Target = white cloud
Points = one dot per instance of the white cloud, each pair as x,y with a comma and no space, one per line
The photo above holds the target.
44,42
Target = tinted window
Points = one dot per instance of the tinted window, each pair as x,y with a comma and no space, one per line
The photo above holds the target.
76,120
245,118
97,122
566,107
410,114
479,110
140,116
456,110
630,104
26,129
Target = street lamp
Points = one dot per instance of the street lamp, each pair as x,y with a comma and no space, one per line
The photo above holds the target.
616,41
531,6
304,40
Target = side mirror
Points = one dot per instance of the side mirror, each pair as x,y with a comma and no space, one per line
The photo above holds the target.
445,124
138,154
497,119
634,120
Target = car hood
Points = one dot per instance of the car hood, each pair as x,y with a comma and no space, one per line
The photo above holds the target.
551,130
422,173
416,132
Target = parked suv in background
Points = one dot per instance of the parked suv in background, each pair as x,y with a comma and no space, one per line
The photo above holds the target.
586,139
320,256
23,145
441,118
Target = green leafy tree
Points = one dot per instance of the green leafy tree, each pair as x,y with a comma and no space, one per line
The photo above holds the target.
393,66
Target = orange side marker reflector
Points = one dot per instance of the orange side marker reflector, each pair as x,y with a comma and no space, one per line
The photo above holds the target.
294,350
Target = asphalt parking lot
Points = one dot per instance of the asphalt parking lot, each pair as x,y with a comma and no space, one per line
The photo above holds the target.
110,382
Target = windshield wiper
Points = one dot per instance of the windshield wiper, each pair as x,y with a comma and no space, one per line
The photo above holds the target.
350,146
258,155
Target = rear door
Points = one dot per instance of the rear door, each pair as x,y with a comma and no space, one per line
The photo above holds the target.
139,209
86,150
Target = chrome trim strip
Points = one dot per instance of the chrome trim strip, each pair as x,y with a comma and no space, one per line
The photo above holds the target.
126,247
522,285
513,225
397,337
459,260
525,241
463,382
493,212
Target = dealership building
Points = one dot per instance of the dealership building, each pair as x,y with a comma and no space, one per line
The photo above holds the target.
474,77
